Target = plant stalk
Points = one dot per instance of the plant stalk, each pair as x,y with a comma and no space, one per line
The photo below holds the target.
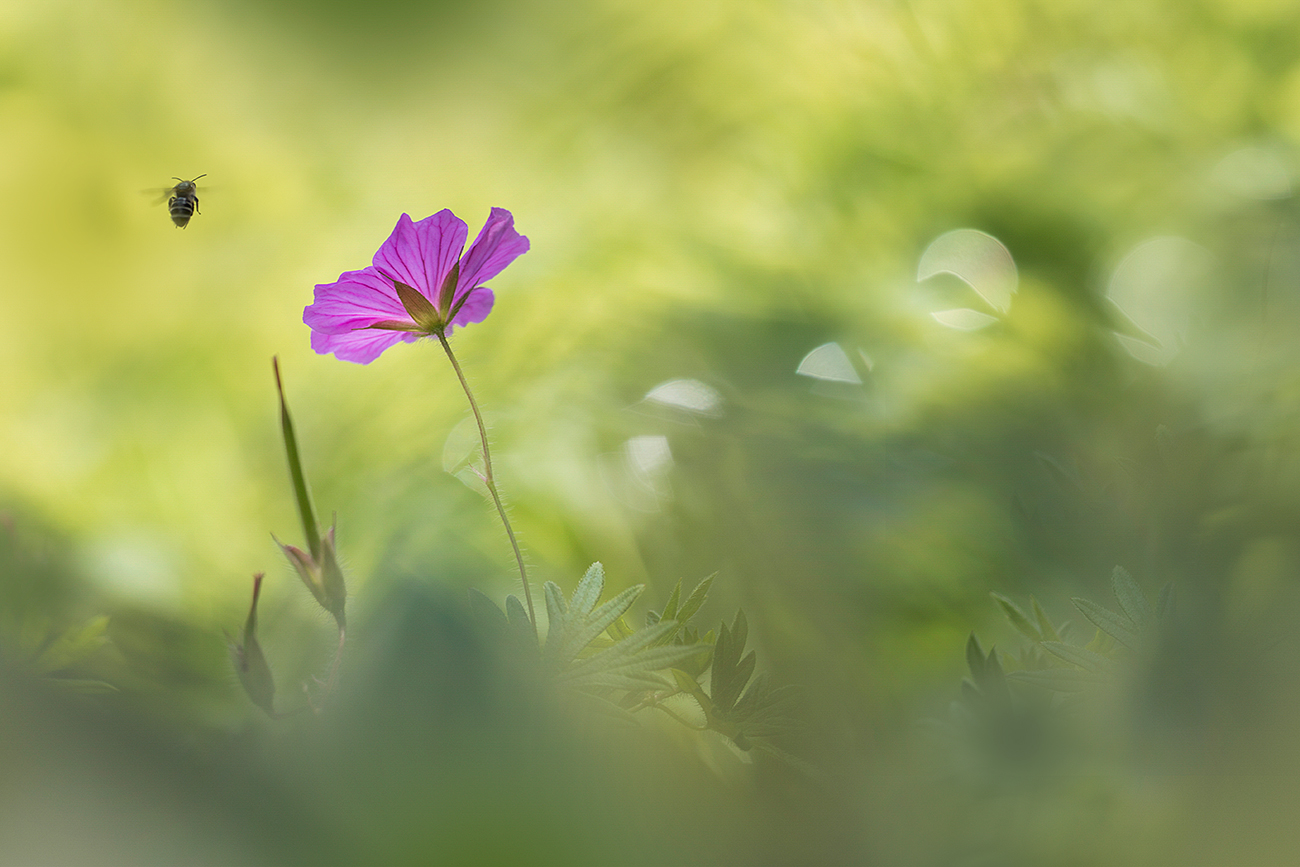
490,480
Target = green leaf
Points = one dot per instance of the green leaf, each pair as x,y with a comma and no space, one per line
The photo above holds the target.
749,703
994,683
334,589
73,646
726,693
631,681
1079,656
1044,622
555,611
483,607
730,671
1101,643
975,658
740,631
577,632
632,659
614,657
306,509
618,630
1115,625
515,611
1017,617
1130,596
81,687
670,610
695,600
587,593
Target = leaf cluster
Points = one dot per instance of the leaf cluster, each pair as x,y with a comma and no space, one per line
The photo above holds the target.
590,649
629,662
1062,666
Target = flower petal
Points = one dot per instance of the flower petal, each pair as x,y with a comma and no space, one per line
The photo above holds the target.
356,300
362,346
476,307
420,254
497,245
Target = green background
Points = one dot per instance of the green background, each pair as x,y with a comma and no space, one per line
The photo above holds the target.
712,190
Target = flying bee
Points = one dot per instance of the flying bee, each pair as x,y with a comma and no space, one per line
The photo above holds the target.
183,201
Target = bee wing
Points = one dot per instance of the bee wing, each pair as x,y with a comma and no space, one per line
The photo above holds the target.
160,195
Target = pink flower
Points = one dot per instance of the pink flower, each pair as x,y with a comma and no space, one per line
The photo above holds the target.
419,285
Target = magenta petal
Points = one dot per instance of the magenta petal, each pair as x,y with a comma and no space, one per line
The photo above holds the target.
361,347
476,307
356,300
421,254
497,245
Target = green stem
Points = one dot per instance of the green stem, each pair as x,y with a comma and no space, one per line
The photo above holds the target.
490,481
681,719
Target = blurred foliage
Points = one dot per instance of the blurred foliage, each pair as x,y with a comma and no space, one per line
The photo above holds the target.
713,191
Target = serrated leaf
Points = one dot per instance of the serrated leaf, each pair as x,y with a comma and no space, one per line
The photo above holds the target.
73,645
740,630
748,703
617,653
975,658
555,610
1130,596
995,682
652,617
763,711
1079,656
1044,622
636,681
726,662
670,610
587,593
695,600
629,657
578,631
726,693
1017,617
1115,625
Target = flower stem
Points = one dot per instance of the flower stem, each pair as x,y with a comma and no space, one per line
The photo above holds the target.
490,481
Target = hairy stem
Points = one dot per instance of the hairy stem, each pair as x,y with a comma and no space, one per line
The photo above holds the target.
490,481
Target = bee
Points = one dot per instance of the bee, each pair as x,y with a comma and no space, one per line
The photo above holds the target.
184,201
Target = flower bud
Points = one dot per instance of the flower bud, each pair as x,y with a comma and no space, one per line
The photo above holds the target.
249,661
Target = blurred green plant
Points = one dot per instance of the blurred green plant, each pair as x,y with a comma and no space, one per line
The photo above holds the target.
32,645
